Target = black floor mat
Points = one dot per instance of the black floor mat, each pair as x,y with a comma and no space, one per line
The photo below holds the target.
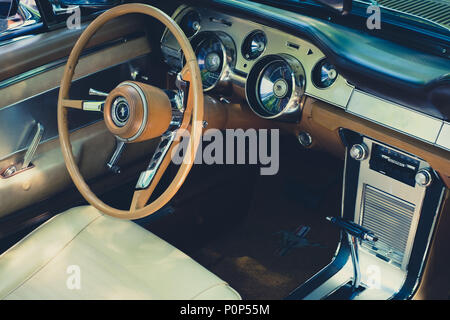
243,243
248,257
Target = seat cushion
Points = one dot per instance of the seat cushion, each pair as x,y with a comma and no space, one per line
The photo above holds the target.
83,254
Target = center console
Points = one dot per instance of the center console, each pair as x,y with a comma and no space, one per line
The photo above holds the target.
396,196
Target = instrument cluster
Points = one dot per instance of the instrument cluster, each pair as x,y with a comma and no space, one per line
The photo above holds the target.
272,70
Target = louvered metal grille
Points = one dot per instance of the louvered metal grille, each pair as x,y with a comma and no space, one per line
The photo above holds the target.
437,11
390,219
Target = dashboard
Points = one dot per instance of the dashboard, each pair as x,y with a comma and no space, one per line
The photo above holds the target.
274,71
271,69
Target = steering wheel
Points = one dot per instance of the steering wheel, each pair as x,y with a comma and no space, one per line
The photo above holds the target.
134,112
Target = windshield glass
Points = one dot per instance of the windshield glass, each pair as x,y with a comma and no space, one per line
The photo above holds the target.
434,11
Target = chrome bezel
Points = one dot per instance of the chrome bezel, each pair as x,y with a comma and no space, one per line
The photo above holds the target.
251,34
293,108
316,69
118,122
182,16
223,83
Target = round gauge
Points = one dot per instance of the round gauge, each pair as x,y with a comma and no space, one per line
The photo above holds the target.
190,23
254,45
324,74
210,56
275,86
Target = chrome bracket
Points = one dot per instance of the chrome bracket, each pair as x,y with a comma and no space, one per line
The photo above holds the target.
146,176
112,163
93,105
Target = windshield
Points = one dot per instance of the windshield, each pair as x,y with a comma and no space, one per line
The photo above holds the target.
434,11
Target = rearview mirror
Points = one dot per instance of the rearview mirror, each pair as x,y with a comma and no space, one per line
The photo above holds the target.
342,6
8,8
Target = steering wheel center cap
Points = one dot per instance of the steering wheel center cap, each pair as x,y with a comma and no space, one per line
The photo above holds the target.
120,111
130,108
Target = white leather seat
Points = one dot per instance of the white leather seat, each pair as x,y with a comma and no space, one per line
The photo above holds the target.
109,258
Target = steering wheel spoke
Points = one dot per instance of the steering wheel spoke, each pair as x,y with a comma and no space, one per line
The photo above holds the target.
148,180
86,105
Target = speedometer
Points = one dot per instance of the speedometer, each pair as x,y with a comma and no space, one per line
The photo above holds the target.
275,86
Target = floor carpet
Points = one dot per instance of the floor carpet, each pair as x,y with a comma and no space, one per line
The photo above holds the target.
248,256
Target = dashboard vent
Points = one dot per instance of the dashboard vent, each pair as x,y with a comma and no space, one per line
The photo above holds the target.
390,219
437,11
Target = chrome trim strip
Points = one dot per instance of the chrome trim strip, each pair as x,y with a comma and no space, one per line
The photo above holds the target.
444,136
93,105
394,116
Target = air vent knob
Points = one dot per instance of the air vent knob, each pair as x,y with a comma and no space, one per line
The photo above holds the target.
359,152
423,177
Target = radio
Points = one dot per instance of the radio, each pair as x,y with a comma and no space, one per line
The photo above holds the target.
394,164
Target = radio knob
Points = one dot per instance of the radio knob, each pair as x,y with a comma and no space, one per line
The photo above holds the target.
359,152
423,178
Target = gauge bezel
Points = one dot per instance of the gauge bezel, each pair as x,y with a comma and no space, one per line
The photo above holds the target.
298,81
252,34
316,70
184,15
223,83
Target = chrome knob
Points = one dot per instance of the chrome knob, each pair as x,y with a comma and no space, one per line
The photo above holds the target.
305,139
359,152
94,92
423,178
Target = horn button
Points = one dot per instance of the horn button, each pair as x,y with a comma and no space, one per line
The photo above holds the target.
120,111
132,116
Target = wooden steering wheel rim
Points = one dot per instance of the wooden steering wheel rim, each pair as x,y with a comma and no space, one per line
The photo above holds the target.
195,98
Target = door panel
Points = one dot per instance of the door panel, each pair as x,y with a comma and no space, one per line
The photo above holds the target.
29,92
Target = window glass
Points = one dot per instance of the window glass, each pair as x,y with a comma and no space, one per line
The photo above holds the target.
27,14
